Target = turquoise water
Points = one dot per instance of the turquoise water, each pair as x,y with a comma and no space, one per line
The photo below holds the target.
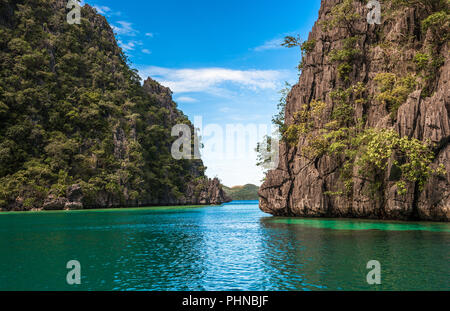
232,247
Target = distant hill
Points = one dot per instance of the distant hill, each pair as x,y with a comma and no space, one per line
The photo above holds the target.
247,192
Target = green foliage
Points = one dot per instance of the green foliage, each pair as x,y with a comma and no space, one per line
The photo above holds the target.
348,53
291,42
345,57
411,156
371,151
308,46
72,111
363,153
303,121
278,119
321,140
342,15
439,25
246,192
428,68
344,102
305,47
293,133
421,60
429,5
344,71
394,91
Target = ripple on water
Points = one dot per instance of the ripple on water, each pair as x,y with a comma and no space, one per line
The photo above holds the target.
352,224
230,247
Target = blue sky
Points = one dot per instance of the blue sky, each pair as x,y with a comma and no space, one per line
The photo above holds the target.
222,60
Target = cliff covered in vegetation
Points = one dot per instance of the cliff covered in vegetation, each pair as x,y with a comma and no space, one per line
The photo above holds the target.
366,131
77,128
246,192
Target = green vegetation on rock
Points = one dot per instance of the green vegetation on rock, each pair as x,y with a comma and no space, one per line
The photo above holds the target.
72,111
393,90
247,192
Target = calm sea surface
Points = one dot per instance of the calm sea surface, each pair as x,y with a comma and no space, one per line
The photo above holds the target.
232,247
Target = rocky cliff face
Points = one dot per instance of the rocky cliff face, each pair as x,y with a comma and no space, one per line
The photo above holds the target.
77,128
370,102
196,189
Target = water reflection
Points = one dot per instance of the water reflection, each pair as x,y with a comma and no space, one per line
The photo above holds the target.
165,253
233,247
301,257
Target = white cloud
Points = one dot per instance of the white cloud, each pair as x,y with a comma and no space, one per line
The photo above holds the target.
131,45
127,47
101,9
105,10
212,80
125,29
234,97
273,44
186,99
149,34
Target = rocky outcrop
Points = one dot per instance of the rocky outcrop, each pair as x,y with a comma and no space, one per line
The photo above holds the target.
212,193
72,200
53,203
304,186
199,190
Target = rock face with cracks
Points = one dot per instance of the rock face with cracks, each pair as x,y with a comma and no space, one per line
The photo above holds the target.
411,44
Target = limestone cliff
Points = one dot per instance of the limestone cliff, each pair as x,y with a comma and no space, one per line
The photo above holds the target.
370,101
77,128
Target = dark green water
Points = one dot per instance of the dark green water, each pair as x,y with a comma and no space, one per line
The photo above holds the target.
234,247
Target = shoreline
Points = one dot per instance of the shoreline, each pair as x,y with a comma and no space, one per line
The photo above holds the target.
37,211
273,218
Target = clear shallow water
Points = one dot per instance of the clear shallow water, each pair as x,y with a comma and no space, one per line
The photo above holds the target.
233,247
